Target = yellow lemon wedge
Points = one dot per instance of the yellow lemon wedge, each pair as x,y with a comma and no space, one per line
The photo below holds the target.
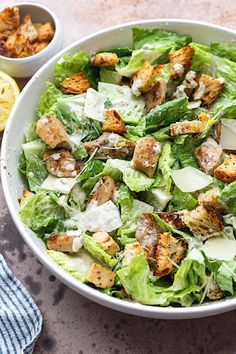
9,91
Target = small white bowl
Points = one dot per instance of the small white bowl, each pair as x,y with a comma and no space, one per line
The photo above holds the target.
26,67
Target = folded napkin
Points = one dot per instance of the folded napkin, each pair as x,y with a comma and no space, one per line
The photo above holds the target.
20,319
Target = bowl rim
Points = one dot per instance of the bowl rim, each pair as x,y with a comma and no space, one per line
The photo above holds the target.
48,47
196,311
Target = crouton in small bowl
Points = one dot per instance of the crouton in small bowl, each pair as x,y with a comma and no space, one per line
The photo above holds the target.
30,34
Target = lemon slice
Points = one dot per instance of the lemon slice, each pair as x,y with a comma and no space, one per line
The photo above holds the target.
9,91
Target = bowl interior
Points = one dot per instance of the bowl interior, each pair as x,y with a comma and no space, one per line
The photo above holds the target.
24,113
37,13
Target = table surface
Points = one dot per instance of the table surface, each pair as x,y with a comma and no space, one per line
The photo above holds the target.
73,324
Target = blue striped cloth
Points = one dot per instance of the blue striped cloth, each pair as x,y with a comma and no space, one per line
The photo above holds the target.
20,319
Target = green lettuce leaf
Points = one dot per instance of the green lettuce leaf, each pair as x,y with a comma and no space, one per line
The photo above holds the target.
162,134
183,151
226,276
110,76
228,196
224,50
79,152
48,100
157,197
166,160
30,132
92,73
181,200
92,168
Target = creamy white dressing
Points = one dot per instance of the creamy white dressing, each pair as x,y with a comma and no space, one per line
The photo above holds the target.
44,121
94,105
68,166
194,104
199,92
179,69
77,244
136,86
56,156
180,91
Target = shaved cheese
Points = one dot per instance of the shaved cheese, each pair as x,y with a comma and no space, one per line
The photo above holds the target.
61,185
220,248
190,179
94,105
228,134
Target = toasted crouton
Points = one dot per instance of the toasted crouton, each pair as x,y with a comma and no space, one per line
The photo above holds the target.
9,21
110,145
208,89
15,43
131,250
146,154
189,127
209,155
180,61
106,242
204,222
28,29
77,83
103,190
175,219
210,199
105,59
156,95
146,233
45,32
52,132
100,276
61,163
226,172
169,252
39,46
113,123
143,80
64,243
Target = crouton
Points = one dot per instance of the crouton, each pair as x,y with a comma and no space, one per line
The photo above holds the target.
105,59
146,155
204,222
52,132
214,292
110,145
226,172
77,83
180,61
64,243
15,43
9,21
45,32
156,95
210,199
61,163
175,219
169,252
209,155
100,276
189,127
113,123
208,89
131,250
25,194
39,46
143,80
146,233
103,190
28,29
106,242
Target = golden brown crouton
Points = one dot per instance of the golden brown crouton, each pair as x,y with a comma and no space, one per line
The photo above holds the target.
146,154
110,145
214,292
226,172
28,29
15,43
204,222
25,194
9,21
103,190
113,123
64,243
175,219
146,234
100,276
180,61
77,83
45,32
105,59
210,199
52,132
143,80
39,46
61,163
131,250
106,242
156,95
208,89
169,252
209,155
189,127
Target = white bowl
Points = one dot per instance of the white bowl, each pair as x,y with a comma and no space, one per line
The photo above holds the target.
26,67
24,112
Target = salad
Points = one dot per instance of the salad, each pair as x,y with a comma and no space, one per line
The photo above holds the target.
131,169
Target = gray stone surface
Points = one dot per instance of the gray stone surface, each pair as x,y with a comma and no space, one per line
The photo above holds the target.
73,324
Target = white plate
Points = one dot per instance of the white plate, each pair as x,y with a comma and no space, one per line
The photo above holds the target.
24,112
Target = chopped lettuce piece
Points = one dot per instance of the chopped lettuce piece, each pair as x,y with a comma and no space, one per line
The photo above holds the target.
184,153
166,160
224,50
94,105
48,100
226,276
92,168
79,152
162,134
110,76
181,200
40,211
77,265
228,196
92,73
30,132
120,52
157,197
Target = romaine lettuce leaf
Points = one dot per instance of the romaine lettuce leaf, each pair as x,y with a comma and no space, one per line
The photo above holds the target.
30,132
228,196
91,168
157,197
92,73
183,151
181,200
226,276
110,76
224,50
48,100
165,162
